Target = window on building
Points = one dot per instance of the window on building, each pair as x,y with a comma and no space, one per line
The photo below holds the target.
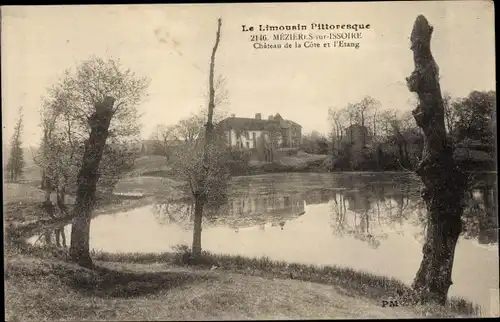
248,145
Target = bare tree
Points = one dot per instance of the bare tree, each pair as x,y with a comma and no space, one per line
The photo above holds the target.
221,98
191,128
164,137
15,162
337,119
385,120
201,160
363,111
375,114
351,114
444,183
448,112
201,189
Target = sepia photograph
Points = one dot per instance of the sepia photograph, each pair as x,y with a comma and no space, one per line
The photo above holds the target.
250,161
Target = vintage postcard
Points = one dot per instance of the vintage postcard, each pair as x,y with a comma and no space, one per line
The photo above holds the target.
250,161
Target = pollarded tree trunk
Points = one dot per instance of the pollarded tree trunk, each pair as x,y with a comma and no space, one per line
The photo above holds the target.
198,218
87,182
444,183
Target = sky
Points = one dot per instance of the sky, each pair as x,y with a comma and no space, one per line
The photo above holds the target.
171,44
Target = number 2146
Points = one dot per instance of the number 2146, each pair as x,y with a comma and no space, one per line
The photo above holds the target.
258,37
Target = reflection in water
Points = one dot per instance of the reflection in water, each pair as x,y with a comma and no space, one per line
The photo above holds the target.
56,237
174,212
366,222
368,214
359,206
242,210
480,217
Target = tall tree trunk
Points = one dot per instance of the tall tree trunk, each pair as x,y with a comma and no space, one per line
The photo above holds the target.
57,235
487,224
198,217
42,184
201,194
63,237
444,183
400,150
49,208
87,182
61,200
48,238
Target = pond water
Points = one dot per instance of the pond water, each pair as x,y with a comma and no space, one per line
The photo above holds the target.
369,222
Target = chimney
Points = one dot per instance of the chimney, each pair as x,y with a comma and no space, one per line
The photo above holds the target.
258,116
233,115
270,117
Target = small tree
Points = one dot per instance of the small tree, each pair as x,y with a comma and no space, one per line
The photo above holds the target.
65,113
337,119
365,110
449,113
91,114
16,163
164,136
474,117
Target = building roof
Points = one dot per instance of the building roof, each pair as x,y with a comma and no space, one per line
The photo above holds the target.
253,124
243,123
292,123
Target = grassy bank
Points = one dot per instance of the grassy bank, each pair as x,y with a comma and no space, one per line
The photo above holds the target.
41,285
155,166
41,290
350,282
279,167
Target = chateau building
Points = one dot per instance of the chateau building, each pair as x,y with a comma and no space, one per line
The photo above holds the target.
245,133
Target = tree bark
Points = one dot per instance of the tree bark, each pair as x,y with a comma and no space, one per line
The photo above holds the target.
87,181
201,194
198,217
444,183
57,235
211,102
63,237
487,231
61,200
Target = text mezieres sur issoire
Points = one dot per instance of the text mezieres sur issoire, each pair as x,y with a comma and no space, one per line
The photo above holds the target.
295,33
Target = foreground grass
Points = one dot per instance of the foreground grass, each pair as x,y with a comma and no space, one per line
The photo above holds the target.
41,284
349,282
52,289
